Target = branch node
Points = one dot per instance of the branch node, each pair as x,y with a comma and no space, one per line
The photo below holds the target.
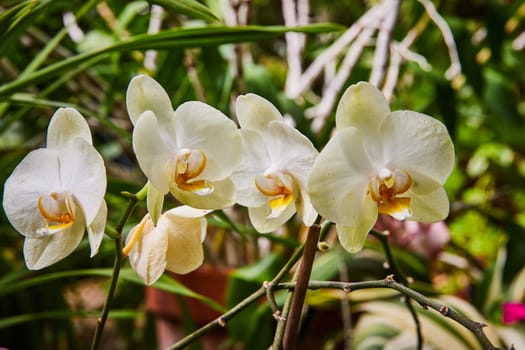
323,246
278,316
267,285
389,279
346,288
221,321
444,310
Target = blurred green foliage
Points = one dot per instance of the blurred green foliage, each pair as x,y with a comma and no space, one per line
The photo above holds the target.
42,68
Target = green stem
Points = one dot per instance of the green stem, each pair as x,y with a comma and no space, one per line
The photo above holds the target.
117,236
401,276
101,322
221,321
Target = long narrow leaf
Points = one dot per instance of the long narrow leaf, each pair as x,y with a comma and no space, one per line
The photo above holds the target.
185,37
191,8
164,283
56,314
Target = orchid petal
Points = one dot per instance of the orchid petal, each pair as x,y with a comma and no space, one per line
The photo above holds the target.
36,174
255,160
148,255
264,224
291,150
338,180
97,228
46,250
185,234
418,142
82,173
65,125
146,94
152,153
222,196
202,127
255,112
364,107
430,207
353,238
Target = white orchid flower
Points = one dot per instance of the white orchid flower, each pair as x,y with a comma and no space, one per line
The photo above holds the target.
57,192
380,161
174,244
271,178
190,152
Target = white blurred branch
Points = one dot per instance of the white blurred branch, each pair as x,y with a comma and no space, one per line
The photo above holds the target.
455,65
155,22
370,18
384,38
294,13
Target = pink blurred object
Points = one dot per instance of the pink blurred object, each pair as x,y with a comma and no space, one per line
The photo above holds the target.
513,312
427,240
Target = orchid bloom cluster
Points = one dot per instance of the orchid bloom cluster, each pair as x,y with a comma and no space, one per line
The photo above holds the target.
378,161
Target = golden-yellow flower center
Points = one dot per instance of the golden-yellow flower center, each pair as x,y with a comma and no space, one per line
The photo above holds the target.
188,165
385,188
58,211
278,186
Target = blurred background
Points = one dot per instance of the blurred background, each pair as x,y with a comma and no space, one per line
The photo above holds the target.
462,62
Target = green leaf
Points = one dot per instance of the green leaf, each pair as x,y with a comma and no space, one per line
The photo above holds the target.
10,284
66,314
191,8
185,37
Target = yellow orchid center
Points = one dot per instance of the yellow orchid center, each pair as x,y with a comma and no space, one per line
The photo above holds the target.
278,186
188,165
58,211
384,189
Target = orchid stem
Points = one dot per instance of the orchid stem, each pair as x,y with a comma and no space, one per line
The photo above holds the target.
401,276
475,327
116,234
296,307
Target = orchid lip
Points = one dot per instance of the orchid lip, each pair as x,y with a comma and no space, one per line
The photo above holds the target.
189,164
385,189
57,220
277,186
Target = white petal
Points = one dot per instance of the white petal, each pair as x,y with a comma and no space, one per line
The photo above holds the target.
152,153
83,174
263,224
146,94
428,208
97,228
36,175
154,202
415,141
185,252
47,250
223,195
338,181
291,150
304,207
185,211
148,255
255,113
255,160
202,127
363,106
65,125
353,238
